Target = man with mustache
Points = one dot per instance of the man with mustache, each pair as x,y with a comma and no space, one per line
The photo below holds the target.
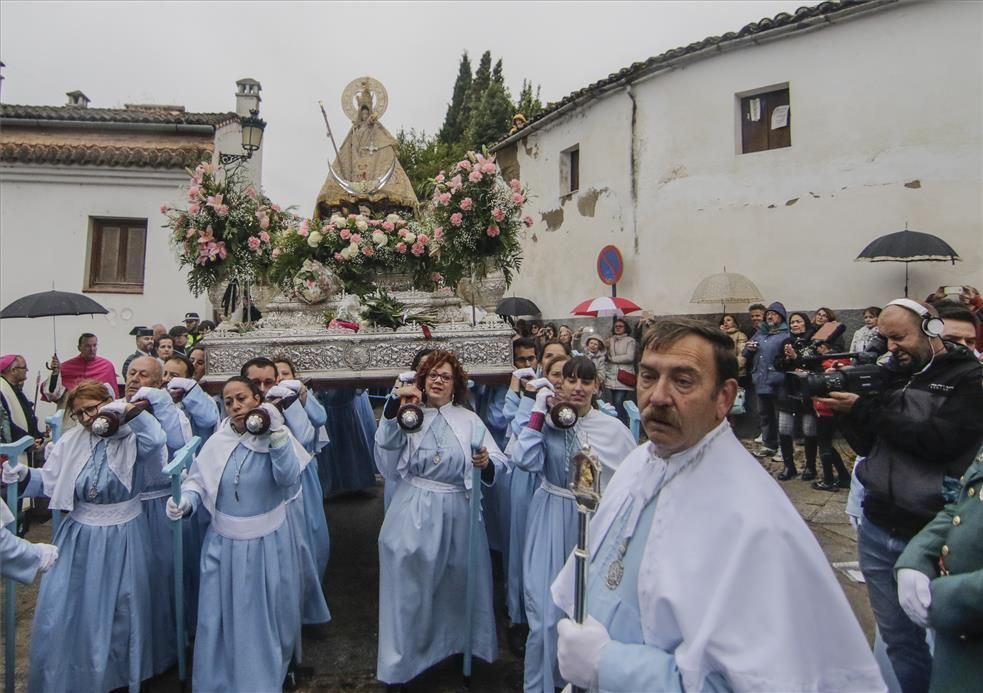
687,532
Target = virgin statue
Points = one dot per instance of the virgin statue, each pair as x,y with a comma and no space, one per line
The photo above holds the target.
366,171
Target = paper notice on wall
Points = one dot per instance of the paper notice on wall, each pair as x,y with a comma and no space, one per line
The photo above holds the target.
779,117
754,110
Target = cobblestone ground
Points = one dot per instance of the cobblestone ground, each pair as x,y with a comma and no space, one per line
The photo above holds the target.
344,659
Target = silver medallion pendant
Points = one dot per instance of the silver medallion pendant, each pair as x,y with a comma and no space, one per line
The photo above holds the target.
436,459
93,493
616,571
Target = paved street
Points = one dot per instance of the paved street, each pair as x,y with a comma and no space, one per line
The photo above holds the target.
345,659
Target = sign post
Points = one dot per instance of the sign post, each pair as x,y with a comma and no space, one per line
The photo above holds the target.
610,267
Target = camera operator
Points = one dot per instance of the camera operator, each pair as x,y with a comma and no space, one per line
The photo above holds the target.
919,434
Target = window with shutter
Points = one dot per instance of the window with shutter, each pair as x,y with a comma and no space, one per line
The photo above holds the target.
766,121
116,254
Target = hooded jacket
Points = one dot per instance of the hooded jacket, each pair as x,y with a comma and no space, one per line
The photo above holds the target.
766,378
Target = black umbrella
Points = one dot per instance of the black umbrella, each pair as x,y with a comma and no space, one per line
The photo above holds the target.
908,246
515,306
51,303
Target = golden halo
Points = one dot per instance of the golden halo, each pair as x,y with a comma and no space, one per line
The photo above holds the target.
380,98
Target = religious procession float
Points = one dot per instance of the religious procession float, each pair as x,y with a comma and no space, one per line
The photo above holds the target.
351,293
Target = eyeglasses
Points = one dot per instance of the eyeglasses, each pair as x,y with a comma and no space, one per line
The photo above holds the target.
442,377
18,368
524,359
88,412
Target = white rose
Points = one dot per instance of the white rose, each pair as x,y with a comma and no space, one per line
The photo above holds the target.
361,224
409,238
393,218
379,238
339,221
314,240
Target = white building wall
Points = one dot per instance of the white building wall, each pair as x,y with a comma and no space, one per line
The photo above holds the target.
44,227
886,130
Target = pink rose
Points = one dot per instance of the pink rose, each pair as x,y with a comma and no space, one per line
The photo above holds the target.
516,185
253,243
194,208
251,192
356,238
222,211
488,167
418,249
275,208
304,228
368,251
264,223
464,165
263,236
164,208
527,220
422,239
475,176
193,192
401,248
345,234
436,278
402,233
518,199
374,223
440,177
498,214
339,257
456,218
444,199
455,183
438,232
492,231
276,252
388,226
466,204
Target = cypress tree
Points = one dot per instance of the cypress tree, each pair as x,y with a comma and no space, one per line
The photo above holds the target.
455,121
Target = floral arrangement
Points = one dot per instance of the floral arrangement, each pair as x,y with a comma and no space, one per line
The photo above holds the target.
476,215
357,247
227,230
383,310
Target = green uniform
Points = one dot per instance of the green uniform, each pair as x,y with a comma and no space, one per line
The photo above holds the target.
949,550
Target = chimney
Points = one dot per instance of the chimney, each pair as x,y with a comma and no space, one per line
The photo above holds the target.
247,96
77,99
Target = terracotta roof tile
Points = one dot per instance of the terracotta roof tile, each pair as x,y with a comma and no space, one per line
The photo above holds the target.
114,115
93,155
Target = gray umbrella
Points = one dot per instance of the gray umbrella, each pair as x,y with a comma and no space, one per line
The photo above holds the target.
908,246
726,287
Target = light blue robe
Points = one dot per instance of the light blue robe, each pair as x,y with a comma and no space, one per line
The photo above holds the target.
627,664
93,618
522,486
249,605
495,503
19,558
423,560
346,464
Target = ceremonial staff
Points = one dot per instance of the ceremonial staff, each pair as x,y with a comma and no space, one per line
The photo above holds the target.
12,451
182,460
585,484
477,443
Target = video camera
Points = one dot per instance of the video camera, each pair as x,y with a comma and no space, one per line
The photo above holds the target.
861,378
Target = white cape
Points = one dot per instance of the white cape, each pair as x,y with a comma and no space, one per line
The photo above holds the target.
732,581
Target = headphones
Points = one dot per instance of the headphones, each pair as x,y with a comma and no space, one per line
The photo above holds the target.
932,325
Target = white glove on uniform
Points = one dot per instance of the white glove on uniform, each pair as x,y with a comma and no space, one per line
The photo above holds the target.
276,416
543,397
607,408
279,392
155,396
407,377
176,511
14,473
117,407
578,650
48,555
293,385
524,373
915,595
181,384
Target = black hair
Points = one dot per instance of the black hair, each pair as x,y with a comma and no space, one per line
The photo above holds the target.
580,367
757,306
253,387
522,343
206,325
873,310
183,359
284,359
419,356
178,330
84,336
950,310
260,361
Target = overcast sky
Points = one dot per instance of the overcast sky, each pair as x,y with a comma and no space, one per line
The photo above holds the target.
191,53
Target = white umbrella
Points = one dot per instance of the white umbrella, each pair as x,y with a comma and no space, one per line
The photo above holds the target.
726,287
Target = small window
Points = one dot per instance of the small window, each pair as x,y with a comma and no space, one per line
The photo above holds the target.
570,171
766,121
116,253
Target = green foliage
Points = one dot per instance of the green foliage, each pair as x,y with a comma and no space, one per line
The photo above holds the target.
529,104
422,156
456,120
382,309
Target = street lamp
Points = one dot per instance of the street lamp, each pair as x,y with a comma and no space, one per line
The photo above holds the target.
252,138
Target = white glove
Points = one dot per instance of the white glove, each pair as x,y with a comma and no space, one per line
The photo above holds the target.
407,377
915,595
578,650
175,511
14,473
521,373
543,397
181,384
156,396
277,421
279,392
48,554
607,408
539,383
117,407
293,385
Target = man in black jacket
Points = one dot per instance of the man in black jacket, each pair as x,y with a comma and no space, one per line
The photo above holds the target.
919,435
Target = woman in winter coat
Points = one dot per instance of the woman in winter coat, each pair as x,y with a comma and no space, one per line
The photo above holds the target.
797,345
728,324
620,358
760,352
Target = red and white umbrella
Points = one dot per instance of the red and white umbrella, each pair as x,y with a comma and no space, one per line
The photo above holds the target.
605,306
